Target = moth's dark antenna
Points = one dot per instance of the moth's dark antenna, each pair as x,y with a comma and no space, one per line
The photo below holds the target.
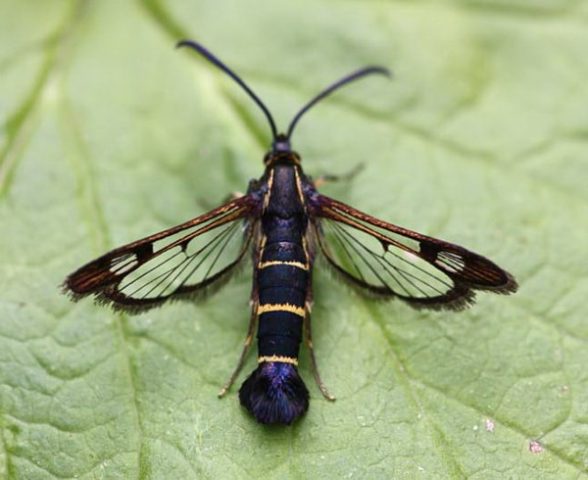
212,59
331,88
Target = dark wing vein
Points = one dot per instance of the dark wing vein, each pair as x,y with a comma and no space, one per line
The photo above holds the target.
354,244
412,284
175,271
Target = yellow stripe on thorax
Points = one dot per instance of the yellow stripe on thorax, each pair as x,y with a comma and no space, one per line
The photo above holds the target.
281,307
299,188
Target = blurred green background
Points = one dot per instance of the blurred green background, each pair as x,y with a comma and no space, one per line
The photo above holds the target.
109,134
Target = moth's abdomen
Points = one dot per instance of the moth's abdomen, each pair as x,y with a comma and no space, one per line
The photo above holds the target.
274,392
282,294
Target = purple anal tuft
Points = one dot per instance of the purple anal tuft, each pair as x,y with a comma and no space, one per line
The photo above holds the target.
274,393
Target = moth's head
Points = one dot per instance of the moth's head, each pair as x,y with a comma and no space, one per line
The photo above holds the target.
281,153
281,144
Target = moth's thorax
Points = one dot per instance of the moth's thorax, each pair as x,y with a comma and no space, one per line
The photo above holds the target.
284,197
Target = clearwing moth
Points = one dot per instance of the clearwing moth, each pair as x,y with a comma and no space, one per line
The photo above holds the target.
283,223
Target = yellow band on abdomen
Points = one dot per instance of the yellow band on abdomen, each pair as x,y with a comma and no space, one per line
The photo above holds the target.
278,358
272,263
281,307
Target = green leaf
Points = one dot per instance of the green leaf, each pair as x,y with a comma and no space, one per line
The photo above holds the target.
110,134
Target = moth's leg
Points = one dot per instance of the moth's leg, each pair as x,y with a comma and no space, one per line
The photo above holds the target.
254,307
308,339
318,182
246,346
